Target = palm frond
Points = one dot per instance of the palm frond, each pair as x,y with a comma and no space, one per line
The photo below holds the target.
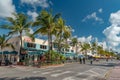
56,17
36,23
11,20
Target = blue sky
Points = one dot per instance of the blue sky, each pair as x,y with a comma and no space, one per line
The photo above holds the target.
89,18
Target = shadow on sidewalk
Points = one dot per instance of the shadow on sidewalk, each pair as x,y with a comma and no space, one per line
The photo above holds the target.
27,78
105,65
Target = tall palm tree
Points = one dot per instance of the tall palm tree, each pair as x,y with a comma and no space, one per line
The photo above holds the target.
4,43
94,47
46,21
17,25
61,32
100,49
85,47
75,43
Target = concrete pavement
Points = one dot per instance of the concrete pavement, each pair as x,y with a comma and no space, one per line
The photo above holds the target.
72,71
114,74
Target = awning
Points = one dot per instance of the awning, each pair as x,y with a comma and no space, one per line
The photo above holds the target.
96,56
39,52
13,52
70,55
7,52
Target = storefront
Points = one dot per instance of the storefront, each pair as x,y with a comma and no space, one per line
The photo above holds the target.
10,56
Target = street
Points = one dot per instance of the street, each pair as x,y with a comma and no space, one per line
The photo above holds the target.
69,71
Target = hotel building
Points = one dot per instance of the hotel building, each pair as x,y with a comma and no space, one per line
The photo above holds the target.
32,49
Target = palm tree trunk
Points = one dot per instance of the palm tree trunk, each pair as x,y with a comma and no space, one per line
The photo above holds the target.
59,43
76,49
49,43
20,46
2,55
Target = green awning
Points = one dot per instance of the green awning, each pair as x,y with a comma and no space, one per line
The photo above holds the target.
70,55
13,52
35,52
6,52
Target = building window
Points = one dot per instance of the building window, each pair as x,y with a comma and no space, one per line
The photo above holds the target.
32,45
55,45
72,50
67,50
17,43
63,49
43,46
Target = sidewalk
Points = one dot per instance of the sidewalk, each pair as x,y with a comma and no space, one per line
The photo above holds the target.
114,74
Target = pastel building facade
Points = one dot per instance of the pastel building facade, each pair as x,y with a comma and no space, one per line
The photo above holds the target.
32,49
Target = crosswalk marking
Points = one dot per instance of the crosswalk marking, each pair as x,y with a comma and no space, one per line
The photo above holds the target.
58,74
68,78
94,72
51,72
36,71
90,72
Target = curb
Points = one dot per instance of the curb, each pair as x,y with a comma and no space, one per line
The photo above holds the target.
50,66
107,74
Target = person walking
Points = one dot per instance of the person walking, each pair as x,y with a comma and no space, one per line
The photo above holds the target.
80,59
83,60
0,61
91,59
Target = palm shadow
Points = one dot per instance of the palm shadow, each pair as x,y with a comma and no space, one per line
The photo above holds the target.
105,65
26,78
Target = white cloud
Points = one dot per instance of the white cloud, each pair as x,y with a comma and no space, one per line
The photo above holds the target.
6,8
32,14
73,30
85,39
41,3
100,10
103,44
112,32
94,17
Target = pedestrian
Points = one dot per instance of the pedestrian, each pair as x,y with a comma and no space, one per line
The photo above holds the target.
0,61
91,60
80,59
107,59
84,60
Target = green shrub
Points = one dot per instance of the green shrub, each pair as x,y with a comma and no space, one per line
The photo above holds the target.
54,57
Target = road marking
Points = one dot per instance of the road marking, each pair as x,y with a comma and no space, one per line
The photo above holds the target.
73,78
90,72
58,74
68,78
51,72
36,71
94,72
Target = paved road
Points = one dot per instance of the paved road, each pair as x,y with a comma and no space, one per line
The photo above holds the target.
72,71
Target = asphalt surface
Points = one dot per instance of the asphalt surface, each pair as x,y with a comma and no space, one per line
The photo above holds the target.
71,71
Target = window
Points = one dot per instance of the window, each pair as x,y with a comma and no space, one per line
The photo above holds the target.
55,45
43,46
67,50
17,43
72,50
32,45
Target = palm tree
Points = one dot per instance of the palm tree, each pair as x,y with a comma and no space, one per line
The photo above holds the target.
85,47
4,43
47,23
17,25
94,47
100,49
75,43
61,32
